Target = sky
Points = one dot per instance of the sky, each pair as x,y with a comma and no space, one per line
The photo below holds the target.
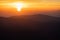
30,6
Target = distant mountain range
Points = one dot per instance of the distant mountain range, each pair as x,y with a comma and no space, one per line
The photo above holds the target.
29,19
37,26
37,17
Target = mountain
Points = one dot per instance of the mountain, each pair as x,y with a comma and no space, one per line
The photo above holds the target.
29,19
30,26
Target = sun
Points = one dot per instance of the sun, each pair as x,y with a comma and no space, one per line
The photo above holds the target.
18,5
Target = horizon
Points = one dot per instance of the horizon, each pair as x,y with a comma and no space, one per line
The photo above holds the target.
54,13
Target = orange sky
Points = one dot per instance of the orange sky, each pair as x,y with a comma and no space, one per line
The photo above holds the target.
33,6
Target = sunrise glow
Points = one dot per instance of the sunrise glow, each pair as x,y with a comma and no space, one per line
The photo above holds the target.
25,7
18,6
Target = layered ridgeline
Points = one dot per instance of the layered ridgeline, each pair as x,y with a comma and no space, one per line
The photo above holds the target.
35,26
29,21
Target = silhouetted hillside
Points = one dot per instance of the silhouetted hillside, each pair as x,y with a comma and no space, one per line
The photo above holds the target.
34,26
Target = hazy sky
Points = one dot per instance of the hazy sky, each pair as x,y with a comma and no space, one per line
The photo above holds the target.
30,0
33,5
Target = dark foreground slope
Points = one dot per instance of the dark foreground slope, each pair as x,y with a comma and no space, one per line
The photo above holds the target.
30,27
